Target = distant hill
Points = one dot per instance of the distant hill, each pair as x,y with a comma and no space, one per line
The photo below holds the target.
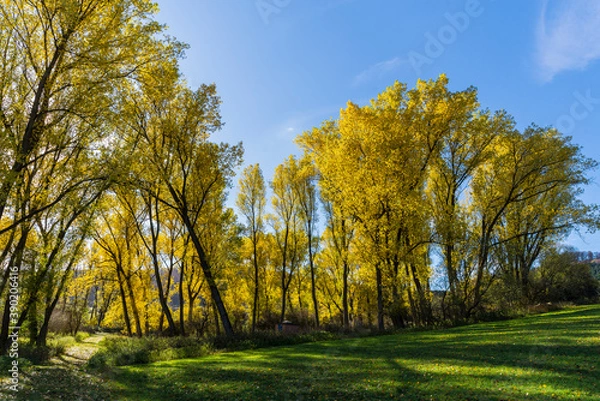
595,264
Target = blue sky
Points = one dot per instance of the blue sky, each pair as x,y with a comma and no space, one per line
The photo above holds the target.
283,66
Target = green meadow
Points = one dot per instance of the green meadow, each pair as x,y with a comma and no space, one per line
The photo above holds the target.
554,356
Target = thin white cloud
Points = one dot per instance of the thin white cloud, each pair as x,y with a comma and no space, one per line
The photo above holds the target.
378,70
568,36
301,121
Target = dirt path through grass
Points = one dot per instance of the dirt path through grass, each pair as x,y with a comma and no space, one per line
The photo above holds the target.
63,378
81,352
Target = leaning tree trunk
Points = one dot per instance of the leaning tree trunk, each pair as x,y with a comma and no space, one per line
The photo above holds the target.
206,270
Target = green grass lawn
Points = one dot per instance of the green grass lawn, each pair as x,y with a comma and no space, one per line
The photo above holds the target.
555,356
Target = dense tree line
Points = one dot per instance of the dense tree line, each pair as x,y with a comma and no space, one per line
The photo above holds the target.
113,196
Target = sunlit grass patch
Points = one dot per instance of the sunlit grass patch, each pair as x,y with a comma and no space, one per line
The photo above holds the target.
555,356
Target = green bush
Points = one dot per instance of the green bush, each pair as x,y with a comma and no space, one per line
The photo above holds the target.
562,278
41,355
37,355
595,269
6,362
56,346
133,351
81,336
265,339
122,351
99,360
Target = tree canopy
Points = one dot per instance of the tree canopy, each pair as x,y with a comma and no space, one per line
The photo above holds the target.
114,209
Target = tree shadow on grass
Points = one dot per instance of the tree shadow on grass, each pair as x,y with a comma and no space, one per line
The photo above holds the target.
320,371
55,382
495,362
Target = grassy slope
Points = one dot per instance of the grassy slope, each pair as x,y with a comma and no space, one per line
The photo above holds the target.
552,356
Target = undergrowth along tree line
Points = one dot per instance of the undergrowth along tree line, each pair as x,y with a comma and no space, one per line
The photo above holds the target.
113,197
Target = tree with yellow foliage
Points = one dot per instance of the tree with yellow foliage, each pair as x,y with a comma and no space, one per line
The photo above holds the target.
251,202
373,162
173,125
287,225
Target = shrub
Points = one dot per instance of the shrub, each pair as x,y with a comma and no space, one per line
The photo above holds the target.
562,278
56,346
545,308
99,360
6,362
263,339
41,355
37,355
81,336
121,351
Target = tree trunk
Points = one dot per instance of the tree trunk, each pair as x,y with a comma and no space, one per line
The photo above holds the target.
124,302
161,296
15,261
191,299
154,232
206,270
312,281
181,301
256,288
31,136
481,266
380,321
43,333
283,299
217,326
424,304
134,308
283,275
396,307
345,314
